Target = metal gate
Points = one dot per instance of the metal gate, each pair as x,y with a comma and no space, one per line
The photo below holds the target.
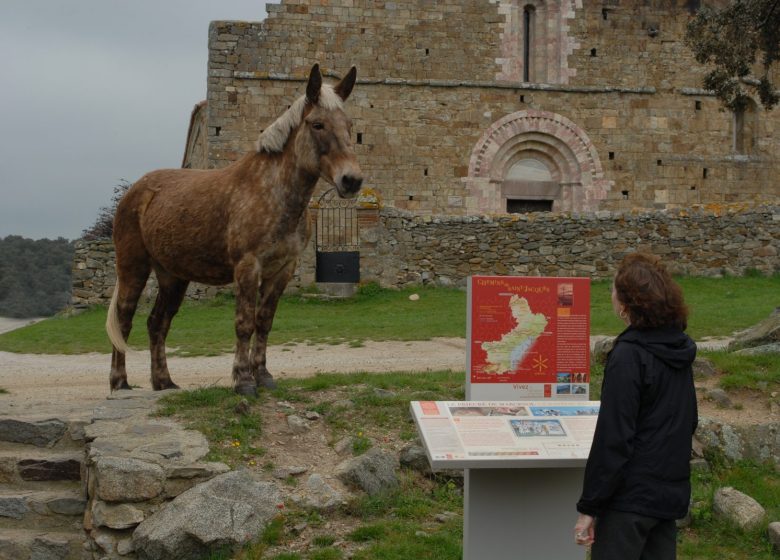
337,240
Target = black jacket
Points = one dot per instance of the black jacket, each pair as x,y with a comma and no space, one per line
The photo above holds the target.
640,458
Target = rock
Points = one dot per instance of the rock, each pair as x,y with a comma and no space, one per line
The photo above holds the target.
121,516
49,547
14,507
297,424
124,547
601,348
414,297
284,472
128,480
765,332
44,433
413,457
227,511
723,438
373,472
384,393
773,348
319,495
773,532
702,367
312,415
738,509
445,516
55,469
720,397
67,506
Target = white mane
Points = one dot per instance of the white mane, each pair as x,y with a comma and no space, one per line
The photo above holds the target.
273,138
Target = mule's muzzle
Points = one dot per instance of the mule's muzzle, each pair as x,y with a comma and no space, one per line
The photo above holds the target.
350,185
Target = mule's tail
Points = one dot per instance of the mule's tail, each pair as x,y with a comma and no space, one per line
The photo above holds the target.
112,323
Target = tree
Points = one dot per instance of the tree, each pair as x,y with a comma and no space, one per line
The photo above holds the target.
104,224
738,39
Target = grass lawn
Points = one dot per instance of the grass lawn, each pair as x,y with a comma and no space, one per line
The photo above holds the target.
719,307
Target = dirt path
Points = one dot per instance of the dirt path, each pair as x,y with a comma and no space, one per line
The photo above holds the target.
42,381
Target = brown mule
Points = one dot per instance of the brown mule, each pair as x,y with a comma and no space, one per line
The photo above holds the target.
246,223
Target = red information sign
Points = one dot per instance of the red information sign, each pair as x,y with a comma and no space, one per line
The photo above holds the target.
528,337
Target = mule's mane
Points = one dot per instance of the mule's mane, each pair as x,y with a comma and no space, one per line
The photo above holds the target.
273,138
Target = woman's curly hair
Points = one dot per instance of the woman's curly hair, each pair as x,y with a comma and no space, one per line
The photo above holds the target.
651,297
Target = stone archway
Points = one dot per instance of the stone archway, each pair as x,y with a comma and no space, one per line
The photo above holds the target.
535,156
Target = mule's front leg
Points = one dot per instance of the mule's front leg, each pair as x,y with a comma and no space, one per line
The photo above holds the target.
247,275
271,290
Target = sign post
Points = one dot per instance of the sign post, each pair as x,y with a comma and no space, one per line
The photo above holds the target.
525,462
528,339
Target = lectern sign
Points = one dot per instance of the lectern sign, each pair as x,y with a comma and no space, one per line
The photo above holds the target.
528,337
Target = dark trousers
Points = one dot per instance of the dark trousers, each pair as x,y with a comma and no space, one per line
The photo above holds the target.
629,536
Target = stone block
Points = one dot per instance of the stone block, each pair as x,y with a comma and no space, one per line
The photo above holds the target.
128,480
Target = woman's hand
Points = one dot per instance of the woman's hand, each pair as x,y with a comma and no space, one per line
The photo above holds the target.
583,530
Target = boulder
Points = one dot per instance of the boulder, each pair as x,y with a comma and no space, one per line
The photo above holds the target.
227,511
765,332
372,472
738,509
773,532
413,457
318,494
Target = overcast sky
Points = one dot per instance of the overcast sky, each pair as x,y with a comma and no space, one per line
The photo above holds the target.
93,92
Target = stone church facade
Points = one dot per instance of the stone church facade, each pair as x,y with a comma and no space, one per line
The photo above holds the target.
498,106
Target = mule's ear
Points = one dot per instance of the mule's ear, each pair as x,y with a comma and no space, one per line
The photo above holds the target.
314,85
344,87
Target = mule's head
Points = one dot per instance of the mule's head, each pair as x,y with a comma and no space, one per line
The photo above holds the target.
324,143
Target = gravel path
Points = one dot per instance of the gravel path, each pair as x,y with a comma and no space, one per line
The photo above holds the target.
41,381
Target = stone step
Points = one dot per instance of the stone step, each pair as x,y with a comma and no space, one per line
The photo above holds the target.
21,464
61,510
43,430
33,544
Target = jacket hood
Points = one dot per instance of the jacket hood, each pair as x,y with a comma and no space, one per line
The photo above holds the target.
670,345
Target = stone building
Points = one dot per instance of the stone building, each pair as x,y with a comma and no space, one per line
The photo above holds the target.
496,106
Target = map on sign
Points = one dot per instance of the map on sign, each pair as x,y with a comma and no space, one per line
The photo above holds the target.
528,337
509,352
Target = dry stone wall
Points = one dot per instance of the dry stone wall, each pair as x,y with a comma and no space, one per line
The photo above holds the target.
399,248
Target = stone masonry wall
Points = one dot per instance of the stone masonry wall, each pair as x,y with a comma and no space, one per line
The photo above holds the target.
433,77
399,248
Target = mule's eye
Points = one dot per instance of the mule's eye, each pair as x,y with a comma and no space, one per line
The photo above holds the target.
317,126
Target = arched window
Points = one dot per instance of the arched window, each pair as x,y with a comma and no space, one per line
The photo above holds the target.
529,24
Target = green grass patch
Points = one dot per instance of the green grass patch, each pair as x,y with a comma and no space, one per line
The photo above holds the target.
3,391
760,372
211,411
719,307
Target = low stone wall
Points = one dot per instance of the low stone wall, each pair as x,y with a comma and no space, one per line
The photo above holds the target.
399,248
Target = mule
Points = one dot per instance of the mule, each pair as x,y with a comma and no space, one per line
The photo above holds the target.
246,223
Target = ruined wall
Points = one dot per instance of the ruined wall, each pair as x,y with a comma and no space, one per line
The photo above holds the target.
438,82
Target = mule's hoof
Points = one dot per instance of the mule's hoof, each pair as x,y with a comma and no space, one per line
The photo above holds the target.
123,386
166,385
266,381
246,390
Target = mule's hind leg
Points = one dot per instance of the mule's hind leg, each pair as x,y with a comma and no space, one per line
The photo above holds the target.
169,297
271,290
131,281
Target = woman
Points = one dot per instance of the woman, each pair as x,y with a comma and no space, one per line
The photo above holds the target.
637,479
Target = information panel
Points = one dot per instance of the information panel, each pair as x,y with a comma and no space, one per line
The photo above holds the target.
528,338
505,434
